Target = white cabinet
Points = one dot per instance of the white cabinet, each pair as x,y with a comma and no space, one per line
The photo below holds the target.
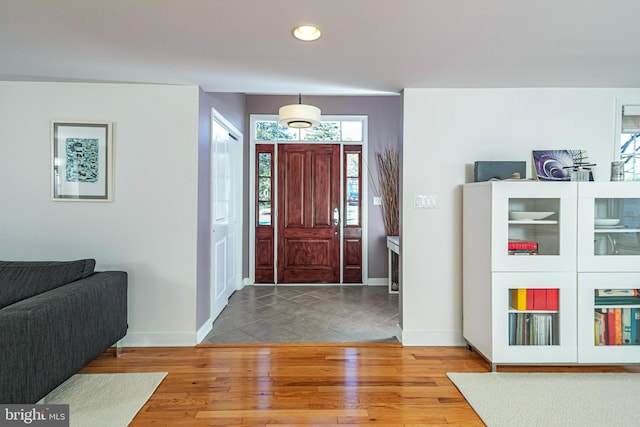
526,241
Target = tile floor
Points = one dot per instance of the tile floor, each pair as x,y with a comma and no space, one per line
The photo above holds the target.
285,314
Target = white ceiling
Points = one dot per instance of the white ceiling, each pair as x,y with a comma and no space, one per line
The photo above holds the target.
368,46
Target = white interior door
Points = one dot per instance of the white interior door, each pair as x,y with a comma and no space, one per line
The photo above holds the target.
226,185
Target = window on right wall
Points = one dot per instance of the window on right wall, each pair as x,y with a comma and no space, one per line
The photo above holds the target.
630,141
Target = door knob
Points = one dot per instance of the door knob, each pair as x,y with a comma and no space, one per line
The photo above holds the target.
336,216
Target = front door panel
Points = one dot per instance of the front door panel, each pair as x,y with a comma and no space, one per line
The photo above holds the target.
308,230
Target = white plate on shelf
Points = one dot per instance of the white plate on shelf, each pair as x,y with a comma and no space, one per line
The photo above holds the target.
606,222
529,216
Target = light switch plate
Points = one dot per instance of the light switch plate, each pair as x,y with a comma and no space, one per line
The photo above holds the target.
425,202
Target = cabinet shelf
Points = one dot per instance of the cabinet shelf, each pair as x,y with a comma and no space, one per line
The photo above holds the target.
636,305
616,230
533,222
513,310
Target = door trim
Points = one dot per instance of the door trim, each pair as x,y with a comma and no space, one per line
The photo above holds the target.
253,118
236,176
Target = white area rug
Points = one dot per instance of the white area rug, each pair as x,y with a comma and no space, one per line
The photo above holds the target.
552,399
109,400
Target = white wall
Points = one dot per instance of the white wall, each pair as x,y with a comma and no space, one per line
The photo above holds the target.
445,132
149,230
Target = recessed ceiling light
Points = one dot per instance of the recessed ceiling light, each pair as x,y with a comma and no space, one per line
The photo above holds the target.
306,32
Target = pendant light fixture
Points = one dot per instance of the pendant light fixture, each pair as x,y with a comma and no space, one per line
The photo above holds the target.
299,115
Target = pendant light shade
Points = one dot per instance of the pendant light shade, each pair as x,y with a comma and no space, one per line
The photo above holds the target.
299,115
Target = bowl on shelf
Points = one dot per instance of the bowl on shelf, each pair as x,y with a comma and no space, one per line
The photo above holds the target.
529,216
606,222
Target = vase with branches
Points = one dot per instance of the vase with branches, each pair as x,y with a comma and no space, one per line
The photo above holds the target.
388,187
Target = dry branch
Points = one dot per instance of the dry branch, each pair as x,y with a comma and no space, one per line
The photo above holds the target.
388,162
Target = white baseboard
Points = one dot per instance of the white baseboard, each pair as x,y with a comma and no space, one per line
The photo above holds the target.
371,281
399,333
204,330
377,281
159,339
432,338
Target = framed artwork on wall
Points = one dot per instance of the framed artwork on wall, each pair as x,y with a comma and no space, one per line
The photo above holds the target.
81,161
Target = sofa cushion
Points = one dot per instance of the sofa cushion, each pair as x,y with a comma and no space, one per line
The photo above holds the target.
24,279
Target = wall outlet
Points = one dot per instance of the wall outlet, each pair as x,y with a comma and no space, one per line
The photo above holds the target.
377,201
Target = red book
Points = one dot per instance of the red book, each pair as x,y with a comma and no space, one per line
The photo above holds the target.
552,299
516,245
611,326
539,299
530,305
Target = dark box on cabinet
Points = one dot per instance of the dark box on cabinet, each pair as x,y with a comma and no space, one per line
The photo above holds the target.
484,171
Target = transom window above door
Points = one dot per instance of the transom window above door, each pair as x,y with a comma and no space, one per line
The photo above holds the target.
327,131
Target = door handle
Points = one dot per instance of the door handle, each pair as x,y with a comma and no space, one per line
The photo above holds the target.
336,216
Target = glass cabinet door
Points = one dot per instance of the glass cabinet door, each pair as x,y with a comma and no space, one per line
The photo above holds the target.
609,317
609,226
535,317
533,226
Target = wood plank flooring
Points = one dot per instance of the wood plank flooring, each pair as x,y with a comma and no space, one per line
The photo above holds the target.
303,384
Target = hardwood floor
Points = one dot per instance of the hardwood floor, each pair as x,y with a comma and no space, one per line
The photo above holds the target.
306,384
293,384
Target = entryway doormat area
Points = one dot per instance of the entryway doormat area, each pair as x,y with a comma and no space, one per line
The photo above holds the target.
552,399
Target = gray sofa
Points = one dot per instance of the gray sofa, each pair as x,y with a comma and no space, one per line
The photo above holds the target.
55,317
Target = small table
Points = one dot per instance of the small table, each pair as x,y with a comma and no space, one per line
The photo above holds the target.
393,246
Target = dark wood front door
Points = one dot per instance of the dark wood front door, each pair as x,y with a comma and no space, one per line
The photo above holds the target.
308,213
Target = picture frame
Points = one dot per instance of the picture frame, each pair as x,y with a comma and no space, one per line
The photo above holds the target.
556,165
81,161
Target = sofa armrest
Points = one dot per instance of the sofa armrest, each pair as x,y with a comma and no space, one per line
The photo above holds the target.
47,338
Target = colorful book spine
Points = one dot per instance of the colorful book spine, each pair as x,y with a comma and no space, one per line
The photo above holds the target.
534,299
552,299
610,325
617,326
530,299
516,245
599,323
533,329
539,299
518,299
616,292
626,326
617,315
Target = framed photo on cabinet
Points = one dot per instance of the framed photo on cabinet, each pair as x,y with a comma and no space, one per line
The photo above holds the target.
81,161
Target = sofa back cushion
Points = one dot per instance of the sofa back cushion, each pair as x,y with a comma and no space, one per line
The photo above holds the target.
24,279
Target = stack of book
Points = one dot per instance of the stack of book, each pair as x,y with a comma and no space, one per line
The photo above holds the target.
533,324
617,325
617,296
533,329
523,247
534,299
